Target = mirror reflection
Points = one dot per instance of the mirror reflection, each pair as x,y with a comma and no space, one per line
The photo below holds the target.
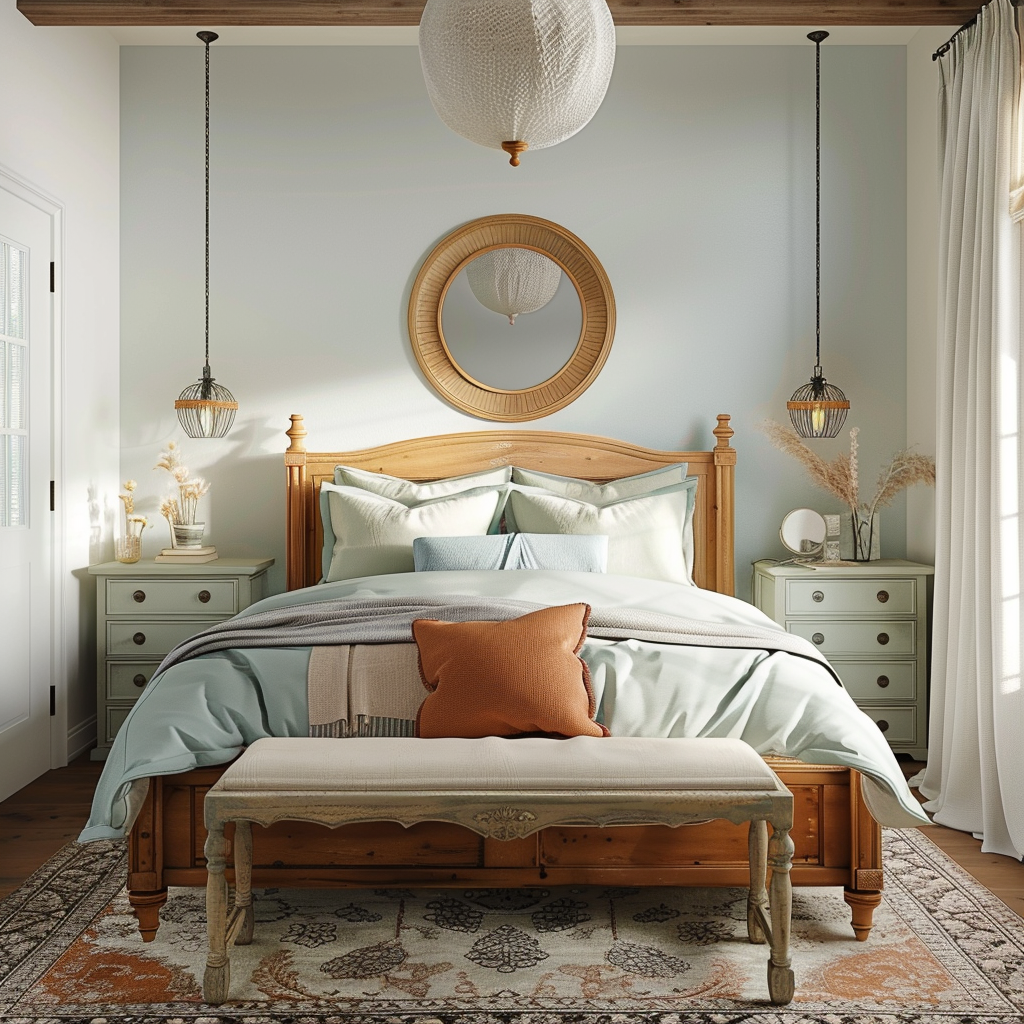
803,531
511,319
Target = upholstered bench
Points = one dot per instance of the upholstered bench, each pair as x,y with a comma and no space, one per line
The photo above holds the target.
505,789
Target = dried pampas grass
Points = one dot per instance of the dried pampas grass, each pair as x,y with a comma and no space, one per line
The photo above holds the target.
840,477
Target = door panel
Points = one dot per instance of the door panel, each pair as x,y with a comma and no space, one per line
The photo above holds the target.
25,460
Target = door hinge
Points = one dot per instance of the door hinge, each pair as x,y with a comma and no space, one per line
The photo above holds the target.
53,276
53,701
53,500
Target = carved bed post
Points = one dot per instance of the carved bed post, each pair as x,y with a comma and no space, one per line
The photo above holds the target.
867,880
296,504
725,472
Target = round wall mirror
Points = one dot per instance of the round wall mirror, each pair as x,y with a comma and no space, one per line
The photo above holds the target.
511,317
803,532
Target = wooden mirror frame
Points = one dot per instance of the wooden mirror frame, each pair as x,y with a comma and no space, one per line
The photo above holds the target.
440,269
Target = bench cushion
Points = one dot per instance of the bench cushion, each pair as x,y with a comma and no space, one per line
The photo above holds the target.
494,764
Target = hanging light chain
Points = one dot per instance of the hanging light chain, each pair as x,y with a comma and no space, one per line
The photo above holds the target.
207,38
817,37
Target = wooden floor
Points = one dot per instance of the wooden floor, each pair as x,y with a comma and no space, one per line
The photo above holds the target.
36,822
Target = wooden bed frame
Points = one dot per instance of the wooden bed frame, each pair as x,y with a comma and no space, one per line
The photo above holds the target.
837,841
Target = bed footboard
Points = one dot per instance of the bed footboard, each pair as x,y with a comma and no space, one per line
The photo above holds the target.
837,843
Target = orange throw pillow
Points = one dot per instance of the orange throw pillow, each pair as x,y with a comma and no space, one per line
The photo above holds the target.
506,678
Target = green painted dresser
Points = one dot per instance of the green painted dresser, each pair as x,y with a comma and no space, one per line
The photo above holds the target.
145,608
871,621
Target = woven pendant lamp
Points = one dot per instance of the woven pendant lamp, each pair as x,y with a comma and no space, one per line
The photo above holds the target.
511,281
817,409
516,74
206,409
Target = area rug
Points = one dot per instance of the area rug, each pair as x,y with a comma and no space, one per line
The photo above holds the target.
942,949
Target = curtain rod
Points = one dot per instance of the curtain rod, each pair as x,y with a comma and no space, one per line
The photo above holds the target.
944,48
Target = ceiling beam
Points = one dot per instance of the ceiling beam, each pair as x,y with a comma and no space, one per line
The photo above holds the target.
407,12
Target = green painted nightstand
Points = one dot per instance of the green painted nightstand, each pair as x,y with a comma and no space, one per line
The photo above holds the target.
144,609
871,621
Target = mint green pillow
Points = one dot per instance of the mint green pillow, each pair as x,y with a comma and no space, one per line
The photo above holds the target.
601,494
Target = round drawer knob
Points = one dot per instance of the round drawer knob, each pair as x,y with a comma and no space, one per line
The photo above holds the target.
883,725
139,596
139,680
818,638
139,638
883,596
817,597
883,638
204,596
883,681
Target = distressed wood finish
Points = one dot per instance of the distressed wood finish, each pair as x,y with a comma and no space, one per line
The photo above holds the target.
443,265
505,814
407,12
580,455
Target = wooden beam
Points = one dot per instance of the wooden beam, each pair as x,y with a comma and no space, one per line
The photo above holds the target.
407,12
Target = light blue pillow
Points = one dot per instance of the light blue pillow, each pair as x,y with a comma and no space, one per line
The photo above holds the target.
580,553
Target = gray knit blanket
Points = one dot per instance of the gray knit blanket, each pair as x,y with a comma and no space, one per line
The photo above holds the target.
384,620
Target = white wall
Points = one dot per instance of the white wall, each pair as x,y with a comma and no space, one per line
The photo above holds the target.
922,274
59,130
333,178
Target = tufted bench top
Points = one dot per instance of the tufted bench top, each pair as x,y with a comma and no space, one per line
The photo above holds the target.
492,764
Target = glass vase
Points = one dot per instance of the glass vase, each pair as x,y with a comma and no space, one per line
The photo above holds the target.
128,547
860,537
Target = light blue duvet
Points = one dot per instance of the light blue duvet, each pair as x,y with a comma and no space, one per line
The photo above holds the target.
204,711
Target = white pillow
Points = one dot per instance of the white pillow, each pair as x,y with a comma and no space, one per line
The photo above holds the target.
650,535
409,493
601,494
373,535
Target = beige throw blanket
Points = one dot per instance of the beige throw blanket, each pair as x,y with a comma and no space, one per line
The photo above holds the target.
364,690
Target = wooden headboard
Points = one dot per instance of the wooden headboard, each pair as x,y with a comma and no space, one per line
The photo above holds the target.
591,458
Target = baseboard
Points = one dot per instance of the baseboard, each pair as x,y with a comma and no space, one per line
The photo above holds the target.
82,738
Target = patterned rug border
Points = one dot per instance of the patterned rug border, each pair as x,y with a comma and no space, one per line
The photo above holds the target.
37,902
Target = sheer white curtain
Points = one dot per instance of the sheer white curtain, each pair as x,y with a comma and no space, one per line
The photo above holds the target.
975,775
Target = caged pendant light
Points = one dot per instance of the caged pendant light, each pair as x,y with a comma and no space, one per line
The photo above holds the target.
205,409
516,74
817,409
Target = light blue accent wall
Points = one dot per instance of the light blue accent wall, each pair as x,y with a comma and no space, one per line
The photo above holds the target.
332,179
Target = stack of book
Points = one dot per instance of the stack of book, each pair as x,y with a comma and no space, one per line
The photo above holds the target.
193,555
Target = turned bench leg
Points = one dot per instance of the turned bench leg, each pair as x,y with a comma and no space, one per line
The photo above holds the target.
757,897
243,881
217,978
780,858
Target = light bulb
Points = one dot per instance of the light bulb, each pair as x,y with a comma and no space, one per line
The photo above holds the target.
205,421
817,418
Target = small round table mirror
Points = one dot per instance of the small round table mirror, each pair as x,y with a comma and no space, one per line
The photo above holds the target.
803,532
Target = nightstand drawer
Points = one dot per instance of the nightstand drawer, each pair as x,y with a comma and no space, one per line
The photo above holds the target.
116,714
868,637
126,679
879,680
138,639
172,597
851,597
898,725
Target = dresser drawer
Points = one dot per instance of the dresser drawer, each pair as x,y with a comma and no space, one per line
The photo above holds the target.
867,637
147,638
172,597
878,680
126,679
898,725
853,597
116,714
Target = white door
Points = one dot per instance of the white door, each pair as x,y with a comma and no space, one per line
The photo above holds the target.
25,519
